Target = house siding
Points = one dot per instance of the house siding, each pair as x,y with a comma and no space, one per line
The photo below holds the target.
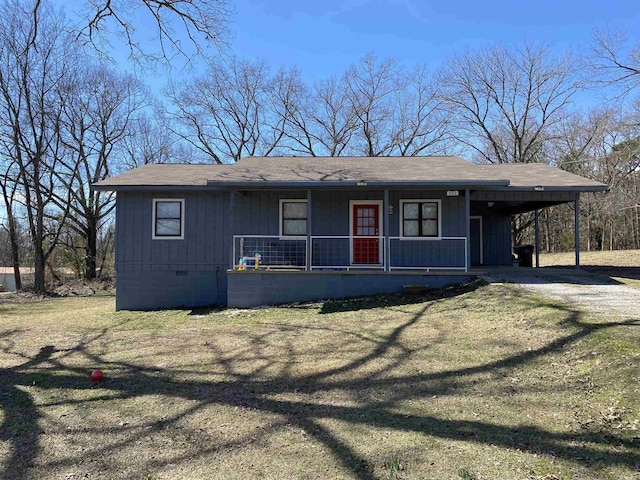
257,213
164,273
496,233
8,282
192,272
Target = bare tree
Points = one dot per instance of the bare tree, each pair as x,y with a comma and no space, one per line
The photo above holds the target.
9,188
321,121
421,124
229,113
615,60
393,111
334,119
34,61
146,142
238,109
505,102
371,87
96,121
181,26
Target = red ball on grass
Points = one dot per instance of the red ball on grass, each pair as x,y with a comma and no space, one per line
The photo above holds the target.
97,375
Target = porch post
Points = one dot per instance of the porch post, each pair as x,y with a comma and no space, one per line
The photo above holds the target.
385,231
232,194
467,208
576,227
537,240
308,252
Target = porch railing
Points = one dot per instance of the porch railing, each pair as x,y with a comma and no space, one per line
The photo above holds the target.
273,251
337,253
444,253
330,252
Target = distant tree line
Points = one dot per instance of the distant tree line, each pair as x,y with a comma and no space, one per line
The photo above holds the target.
69,119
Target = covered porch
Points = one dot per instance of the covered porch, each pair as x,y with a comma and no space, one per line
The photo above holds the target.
366,229
474,233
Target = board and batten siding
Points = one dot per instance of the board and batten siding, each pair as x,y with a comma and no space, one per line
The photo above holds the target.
496,233
165,273
257,213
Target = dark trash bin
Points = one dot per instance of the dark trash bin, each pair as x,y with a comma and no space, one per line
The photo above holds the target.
525,255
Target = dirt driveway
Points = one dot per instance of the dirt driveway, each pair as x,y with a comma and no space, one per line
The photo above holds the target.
589,291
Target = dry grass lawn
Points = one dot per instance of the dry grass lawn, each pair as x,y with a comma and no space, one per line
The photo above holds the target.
480,382
621,265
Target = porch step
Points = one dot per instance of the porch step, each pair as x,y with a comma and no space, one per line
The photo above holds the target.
415,289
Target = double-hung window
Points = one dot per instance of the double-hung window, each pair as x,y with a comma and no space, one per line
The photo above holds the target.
420,218
293,218
168,218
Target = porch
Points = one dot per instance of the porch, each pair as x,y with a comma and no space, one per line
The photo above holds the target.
350,253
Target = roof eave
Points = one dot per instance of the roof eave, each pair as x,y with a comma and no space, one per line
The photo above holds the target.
361,184
556,188
146,188
501,185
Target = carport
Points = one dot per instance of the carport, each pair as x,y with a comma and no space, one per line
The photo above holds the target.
532,188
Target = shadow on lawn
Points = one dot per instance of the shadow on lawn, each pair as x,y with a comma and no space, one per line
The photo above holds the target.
631,273
394,300
21,421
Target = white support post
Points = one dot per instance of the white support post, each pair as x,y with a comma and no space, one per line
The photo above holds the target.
232,194
576,226
308,242
537,228
467,208
385,229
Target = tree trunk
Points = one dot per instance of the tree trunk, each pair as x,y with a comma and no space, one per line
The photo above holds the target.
38,269
15,254
39,257
15,251
546,230
637,222
91,249
107,247
611,236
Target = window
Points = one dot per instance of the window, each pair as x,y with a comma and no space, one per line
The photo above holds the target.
293,218
168,218
420,218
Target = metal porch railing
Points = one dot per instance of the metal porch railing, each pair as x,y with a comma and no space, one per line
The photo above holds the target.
331,252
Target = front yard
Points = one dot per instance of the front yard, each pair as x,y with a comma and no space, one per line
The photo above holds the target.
478,382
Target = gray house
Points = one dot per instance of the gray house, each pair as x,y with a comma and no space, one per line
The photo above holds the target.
281,229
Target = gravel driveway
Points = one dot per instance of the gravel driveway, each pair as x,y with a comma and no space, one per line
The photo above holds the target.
590,292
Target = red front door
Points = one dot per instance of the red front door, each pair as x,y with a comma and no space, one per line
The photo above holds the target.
366,223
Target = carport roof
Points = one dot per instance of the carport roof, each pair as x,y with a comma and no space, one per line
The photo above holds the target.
305,172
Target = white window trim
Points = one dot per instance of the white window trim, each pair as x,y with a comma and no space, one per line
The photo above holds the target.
380,235
280,219
419,200
153,222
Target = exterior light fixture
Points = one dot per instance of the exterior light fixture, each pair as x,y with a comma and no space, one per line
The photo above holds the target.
539,188
490,204
452,193
361,183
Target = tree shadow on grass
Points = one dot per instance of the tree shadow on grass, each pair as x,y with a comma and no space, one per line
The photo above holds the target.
286,397
394,300
631,273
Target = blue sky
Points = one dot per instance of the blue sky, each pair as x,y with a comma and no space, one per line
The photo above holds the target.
323,38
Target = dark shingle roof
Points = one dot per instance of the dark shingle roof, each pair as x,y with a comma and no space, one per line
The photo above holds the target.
446,171
534,174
